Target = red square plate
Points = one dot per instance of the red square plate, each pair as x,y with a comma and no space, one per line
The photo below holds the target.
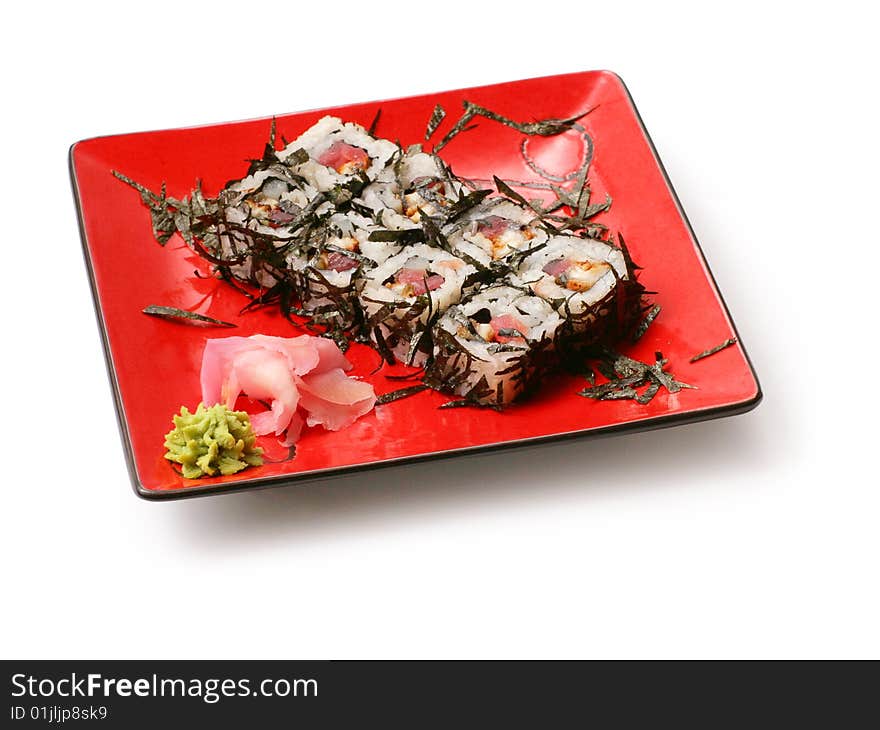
154,364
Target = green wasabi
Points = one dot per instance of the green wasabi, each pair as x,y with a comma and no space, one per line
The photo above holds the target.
212,440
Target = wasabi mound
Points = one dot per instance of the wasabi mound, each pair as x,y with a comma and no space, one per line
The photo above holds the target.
211,441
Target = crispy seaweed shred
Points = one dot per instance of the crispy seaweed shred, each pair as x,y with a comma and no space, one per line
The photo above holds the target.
437,116
648,394
298,157
712,350
162,208
382,346
415,375
375,123
465,203
646,322
626,376
508,191
184,316
405,236
470,402
542,128
398,394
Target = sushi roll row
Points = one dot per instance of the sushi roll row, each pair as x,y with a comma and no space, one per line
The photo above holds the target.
387,245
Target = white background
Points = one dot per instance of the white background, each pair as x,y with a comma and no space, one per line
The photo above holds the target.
755,536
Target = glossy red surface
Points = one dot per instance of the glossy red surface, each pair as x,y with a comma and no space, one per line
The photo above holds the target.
155,363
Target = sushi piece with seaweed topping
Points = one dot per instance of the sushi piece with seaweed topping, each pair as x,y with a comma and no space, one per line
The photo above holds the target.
402,297
494,345
590,283
333,153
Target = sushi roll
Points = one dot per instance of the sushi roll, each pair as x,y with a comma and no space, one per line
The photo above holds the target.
381,201
427,185
413,185
588,282
263,211
333,153
403,295
324,272
493,346
495,230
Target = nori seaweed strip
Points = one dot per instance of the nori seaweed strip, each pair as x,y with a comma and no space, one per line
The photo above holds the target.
200,249
542,128
437,116
508,191
631,266
339,338
353,255
408,376
404,328
158,205
297,157
477,182
363,210
575,174
470,403
625,375
593,210
626,367
645,323
625,393
285,304
382,347
269,155
375,123
417,337
713,350
599,391
386,310
343,313
667,380
648,395
402,393
269,296
461,403
184,316
465,203
452,363
404,236
227,276
582,218
479,390
434,237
